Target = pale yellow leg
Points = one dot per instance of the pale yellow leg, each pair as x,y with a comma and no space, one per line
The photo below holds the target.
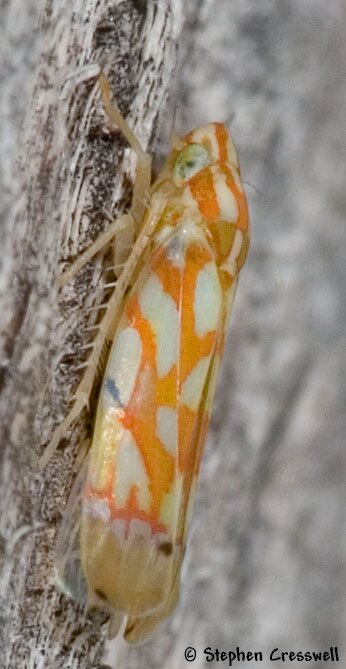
123,223
142,182
122,230
102,240
122,243
107,326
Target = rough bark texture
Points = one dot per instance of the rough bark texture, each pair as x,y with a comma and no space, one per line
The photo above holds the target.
265,566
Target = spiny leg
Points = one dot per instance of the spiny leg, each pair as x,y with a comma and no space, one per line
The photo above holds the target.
142,182
107,326
125,223
108,323
102,240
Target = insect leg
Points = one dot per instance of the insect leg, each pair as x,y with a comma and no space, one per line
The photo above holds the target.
107,329
121,245
124,225
142,182
120,224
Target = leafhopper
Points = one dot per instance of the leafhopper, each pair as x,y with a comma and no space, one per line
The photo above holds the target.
123,537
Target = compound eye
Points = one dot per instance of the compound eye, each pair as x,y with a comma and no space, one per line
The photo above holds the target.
191,159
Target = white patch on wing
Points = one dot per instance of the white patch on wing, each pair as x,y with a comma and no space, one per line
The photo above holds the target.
139,528
236,246
118,528
175,250
171,505
159,308
107,434
123,366
226,200
208,300
98,508
130,471
193,385
167,428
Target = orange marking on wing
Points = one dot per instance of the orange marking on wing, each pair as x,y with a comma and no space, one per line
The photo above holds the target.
140,413
193,428
181,285
150,391
192,348
132,511
187,419
129,511
202,189
221,137
192,425
166,389
168,274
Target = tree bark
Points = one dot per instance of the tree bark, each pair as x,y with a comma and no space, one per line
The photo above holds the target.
77,174
265,566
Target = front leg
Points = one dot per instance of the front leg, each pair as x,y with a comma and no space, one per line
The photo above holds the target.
120,224
142,181
123,229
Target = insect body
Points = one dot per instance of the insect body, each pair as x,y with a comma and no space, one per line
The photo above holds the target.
154,406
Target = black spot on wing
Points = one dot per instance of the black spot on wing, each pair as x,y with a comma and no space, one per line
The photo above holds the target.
101,595
166,548
113,390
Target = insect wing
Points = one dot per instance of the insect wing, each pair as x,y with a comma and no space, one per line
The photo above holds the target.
69,575
196,380
150,428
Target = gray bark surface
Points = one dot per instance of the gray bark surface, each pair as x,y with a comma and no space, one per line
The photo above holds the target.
265,565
